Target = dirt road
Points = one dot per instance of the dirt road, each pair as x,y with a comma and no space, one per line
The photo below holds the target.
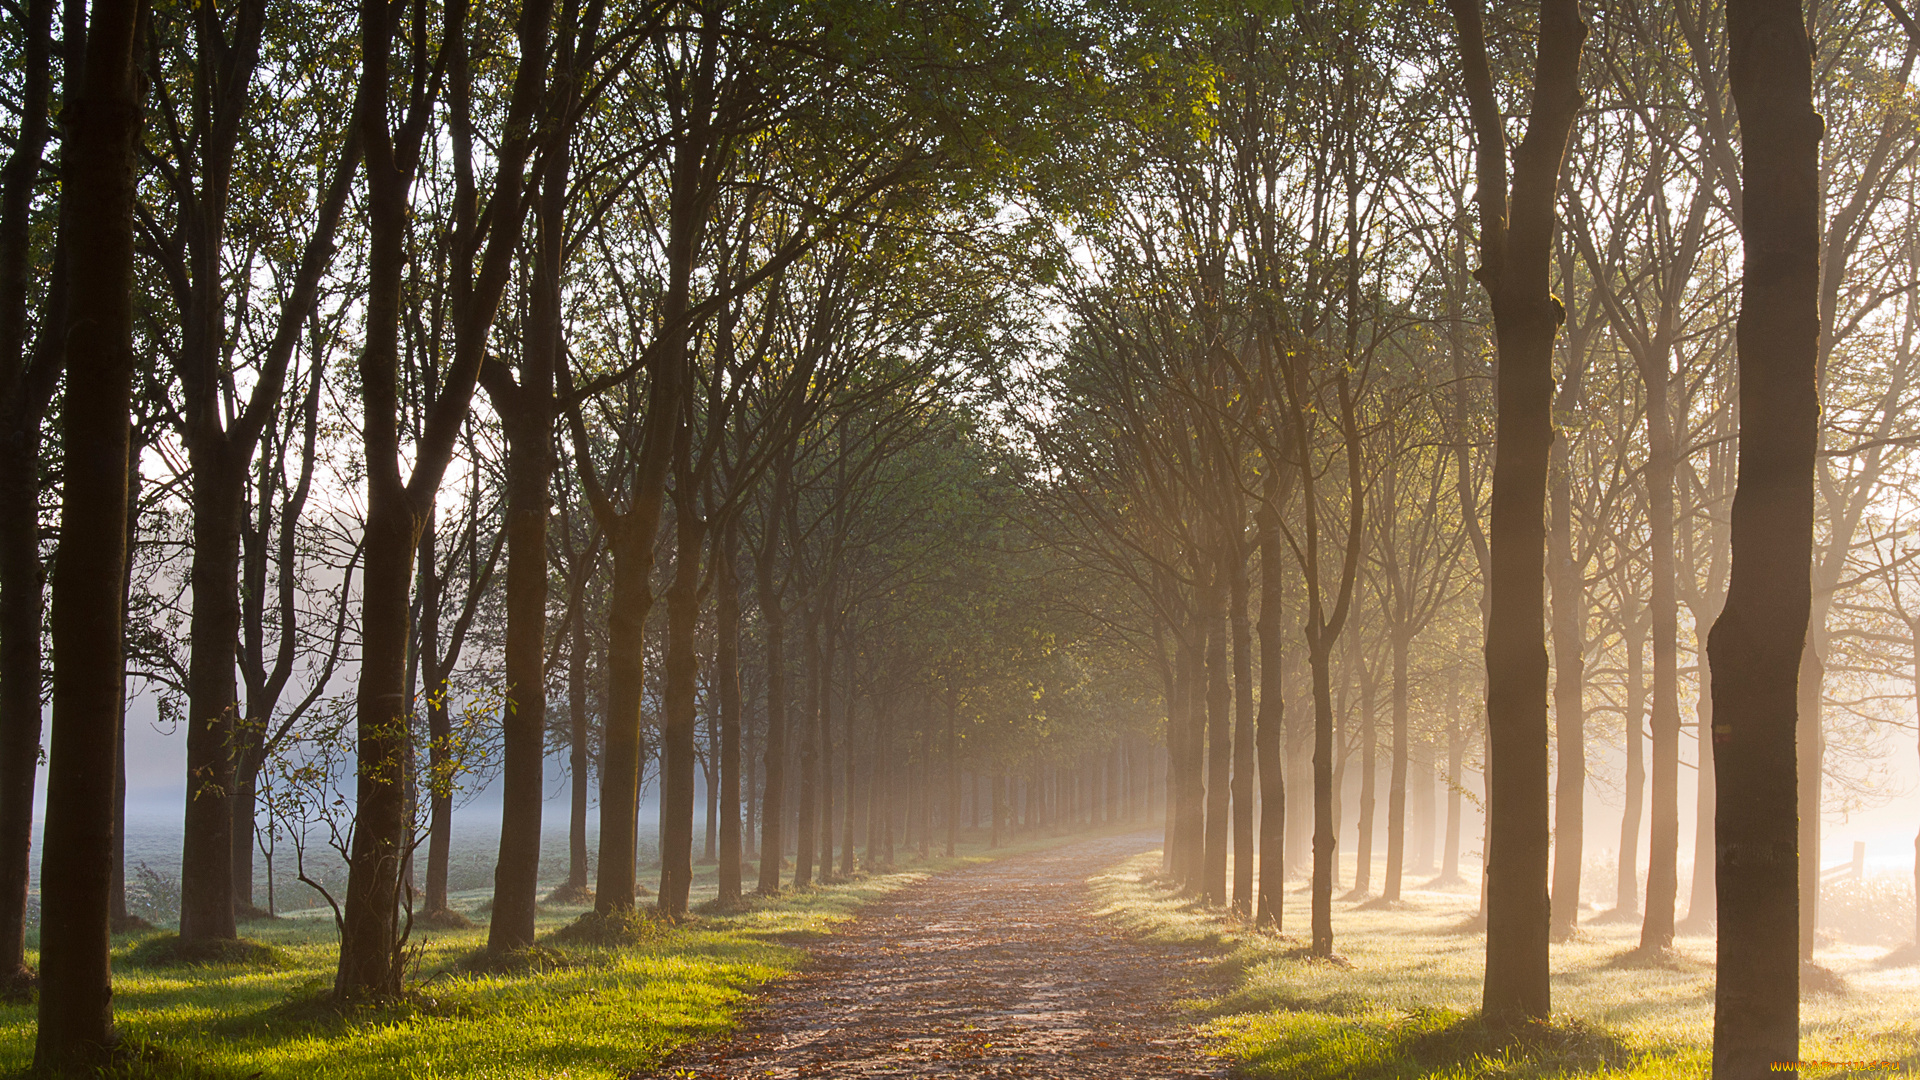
998,970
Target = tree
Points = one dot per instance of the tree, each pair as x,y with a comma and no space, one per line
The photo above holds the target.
76,1012
222,433
1755,644
28,373
1516,249
371,957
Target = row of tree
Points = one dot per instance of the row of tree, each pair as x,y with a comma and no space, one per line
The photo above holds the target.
905,394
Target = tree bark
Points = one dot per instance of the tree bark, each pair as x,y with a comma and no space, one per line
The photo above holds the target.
75,1010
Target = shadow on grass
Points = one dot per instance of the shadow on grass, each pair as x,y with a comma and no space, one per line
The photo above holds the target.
140,1059
1907,955
534,960
170,950
1429,1043
311,1009
616,929
1645,959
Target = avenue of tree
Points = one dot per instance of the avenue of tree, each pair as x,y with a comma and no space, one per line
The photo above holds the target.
887,420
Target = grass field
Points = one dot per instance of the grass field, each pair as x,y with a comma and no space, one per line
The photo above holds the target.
1401,1000
598,1013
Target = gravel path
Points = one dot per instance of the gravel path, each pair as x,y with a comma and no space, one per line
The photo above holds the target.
997,970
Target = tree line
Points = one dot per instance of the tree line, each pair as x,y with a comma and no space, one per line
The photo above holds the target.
872,415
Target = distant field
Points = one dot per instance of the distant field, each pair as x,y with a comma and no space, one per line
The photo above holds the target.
154,841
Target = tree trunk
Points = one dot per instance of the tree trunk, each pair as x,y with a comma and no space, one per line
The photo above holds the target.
1397,778
726,675
527,413
749,789
1369,783
1193,729
1219,739
680,705
1273,791
1754,649
1424,812
1516,246
621,753
953,781
219,451
75,1010
773,620
1299,846
118,916
579,755
1810,743
823,731
1700,908
1663,845
1626,900
1243,739
998,809
1569,685
1456,750
1325,851
926,785
25,387
372,943
848,862
809,756
886,831
206,859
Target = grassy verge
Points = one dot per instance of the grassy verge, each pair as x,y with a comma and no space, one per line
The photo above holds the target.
576,1012
1401,1000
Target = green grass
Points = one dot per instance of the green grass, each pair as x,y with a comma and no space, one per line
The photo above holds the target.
1402,1000
569,1010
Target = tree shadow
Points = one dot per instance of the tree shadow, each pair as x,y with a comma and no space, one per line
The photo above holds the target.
1429,1042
